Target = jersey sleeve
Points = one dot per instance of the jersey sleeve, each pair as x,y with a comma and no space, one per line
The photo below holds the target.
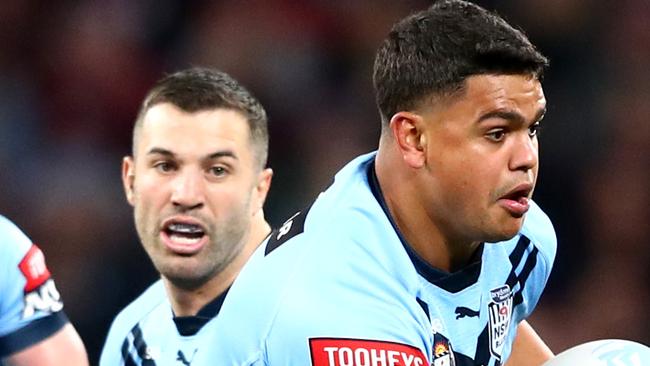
30,305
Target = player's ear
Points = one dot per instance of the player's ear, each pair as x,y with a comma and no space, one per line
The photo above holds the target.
262,188
128,177
407,129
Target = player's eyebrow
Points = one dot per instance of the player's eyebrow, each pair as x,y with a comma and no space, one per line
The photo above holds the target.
221,154
212,156
512,116
160,151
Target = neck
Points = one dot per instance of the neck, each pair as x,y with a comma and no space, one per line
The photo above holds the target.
188,302
425,233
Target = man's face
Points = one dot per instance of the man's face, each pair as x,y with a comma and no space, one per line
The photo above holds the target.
192,185
482,157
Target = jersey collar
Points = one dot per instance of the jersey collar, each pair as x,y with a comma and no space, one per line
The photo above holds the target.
190,325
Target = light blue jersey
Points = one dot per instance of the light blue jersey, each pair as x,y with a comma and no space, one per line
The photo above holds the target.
30,305
337,285
147,333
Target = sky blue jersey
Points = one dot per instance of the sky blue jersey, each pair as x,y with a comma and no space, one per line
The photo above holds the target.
148,333
30,305
338,285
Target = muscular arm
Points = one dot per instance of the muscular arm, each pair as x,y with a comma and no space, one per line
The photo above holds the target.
62,348
529,349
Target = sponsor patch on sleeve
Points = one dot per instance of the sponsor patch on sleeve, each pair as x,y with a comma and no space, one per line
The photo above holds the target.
34,269
40,292
359,352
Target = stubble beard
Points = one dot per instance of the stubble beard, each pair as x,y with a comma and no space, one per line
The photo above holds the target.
225,242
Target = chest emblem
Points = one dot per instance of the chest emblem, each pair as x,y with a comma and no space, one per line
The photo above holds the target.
500,314
442,353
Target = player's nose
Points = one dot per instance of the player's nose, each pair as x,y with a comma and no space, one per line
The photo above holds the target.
188,190
525,153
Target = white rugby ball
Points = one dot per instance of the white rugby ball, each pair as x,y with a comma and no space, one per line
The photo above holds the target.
606,352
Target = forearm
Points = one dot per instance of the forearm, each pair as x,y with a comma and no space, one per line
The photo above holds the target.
528,349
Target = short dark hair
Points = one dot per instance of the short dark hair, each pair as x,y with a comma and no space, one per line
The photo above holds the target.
432,52
197,89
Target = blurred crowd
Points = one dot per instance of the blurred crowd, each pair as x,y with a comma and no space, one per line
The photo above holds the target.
73,72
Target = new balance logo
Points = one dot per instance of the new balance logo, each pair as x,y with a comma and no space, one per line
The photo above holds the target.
462,312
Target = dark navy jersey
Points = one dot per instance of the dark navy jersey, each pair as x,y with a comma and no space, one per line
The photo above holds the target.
337,285
30,305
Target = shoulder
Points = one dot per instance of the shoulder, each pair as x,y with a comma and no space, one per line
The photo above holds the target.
343,230
315,274
316,283
310,295
131,315
324,291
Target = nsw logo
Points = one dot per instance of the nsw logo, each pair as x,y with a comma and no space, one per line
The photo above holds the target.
500,314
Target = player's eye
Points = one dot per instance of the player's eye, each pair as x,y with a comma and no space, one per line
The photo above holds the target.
164,166
534,129
496,135
218,171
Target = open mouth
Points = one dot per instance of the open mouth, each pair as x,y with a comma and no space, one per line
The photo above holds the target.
183,236
520,195
517,200
188,233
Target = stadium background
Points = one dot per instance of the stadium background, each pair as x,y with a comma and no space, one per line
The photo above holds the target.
72,74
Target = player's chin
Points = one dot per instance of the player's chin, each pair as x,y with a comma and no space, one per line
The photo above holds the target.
506,229
513,229
186,277
174,266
